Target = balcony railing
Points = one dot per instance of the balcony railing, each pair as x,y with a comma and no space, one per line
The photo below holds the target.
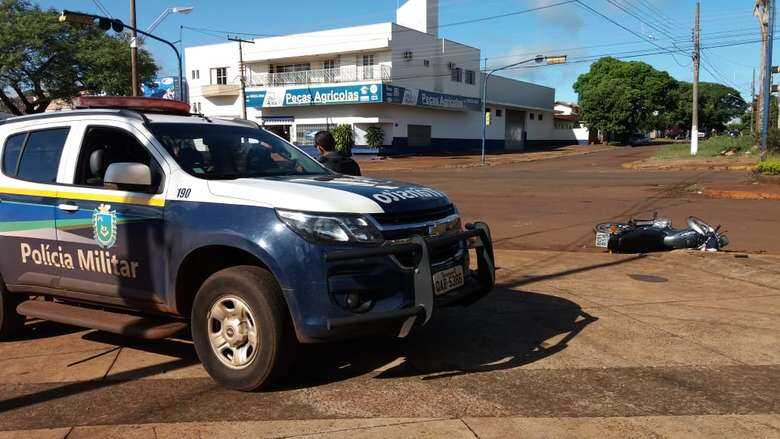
323,76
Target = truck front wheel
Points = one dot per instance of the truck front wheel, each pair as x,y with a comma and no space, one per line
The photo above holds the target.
241,328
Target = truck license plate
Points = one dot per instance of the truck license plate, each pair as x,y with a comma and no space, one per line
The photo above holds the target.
602,239
447,280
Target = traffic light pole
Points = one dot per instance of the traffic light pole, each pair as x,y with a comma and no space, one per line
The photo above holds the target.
133,50
118,26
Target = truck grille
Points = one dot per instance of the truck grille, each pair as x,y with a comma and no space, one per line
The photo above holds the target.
414,217
404,225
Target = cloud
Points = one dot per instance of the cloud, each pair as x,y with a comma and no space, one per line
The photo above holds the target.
564,16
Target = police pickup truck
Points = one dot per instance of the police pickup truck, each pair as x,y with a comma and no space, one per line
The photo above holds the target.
133,216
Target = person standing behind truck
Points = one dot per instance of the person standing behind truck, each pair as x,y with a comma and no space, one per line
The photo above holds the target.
333,159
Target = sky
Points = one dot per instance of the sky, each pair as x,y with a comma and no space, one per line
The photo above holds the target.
654,31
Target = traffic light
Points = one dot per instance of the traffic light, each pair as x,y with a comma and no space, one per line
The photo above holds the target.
104,23
559,59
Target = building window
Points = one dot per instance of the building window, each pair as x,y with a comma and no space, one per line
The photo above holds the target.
219,76
457,74
541,116
426,63
531,115
286,68
329,64
368,67
471,77
196,74
499,113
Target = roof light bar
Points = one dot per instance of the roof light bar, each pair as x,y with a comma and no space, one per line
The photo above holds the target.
152,105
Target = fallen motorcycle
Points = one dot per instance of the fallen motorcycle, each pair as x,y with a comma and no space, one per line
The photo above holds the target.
656,234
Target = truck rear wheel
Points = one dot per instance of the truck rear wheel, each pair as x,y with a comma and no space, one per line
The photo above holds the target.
241,328
11,322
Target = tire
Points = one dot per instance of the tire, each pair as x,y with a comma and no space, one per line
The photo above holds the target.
11,322
256,333
607,227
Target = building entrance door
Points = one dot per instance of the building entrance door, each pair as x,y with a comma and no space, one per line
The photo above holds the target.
515,130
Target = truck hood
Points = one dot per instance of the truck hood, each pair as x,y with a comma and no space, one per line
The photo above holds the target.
331,194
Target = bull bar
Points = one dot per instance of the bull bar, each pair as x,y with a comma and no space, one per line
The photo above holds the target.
478,283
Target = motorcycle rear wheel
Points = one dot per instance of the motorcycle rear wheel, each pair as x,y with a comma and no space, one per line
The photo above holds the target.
611,227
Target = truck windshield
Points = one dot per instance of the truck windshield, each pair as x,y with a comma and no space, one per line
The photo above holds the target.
226,152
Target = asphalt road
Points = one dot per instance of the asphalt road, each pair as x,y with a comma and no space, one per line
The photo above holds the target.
554,204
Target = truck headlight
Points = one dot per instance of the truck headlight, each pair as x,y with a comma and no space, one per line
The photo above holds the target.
331,227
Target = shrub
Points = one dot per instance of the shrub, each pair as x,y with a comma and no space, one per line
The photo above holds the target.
770,166
344,137
375,137
711,147
773,140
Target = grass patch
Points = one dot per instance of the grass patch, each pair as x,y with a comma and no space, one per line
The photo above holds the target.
712,147
771,166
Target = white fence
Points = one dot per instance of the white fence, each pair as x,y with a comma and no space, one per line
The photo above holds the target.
351,73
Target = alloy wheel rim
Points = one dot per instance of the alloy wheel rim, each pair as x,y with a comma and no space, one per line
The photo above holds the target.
233,333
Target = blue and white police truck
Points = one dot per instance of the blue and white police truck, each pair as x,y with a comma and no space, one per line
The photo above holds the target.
133,216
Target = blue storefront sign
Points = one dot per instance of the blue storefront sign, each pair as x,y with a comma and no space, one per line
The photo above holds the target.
274,97
164,88
315,95
422,98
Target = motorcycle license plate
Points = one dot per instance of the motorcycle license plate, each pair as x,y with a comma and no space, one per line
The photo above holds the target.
447,280
602,239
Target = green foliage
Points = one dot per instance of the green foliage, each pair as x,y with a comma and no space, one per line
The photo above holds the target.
714,146
42,59
375,136
718,105
344,137
773,140
770,166
620,98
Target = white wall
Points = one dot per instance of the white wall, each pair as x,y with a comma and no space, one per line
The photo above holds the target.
421,15
439,53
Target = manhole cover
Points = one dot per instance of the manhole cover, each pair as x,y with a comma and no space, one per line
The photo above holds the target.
648,278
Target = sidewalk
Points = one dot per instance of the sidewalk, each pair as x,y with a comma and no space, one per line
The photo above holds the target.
568,344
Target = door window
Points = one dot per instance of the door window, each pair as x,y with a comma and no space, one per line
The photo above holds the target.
38,158
104,146
11,153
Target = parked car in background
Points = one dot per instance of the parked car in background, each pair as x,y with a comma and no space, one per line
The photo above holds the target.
639,140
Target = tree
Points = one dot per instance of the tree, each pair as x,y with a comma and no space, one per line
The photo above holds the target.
620,98
718,105
42,59
375,136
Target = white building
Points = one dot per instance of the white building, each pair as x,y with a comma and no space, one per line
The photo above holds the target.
568,128
422,90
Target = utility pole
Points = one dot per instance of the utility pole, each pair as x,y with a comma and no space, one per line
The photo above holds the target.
765,11
243,76
753,106
134,50
696,58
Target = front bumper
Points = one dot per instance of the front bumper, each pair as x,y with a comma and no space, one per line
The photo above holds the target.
477,283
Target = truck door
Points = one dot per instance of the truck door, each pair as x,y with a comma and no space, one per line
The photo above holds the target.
115,234
31,159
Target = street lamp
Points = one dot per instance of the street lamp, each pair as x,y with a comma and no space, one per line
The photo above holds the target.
166,12
558,59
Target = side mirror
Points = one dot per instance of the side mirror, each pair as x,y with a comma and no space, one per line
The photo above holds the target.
128,174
